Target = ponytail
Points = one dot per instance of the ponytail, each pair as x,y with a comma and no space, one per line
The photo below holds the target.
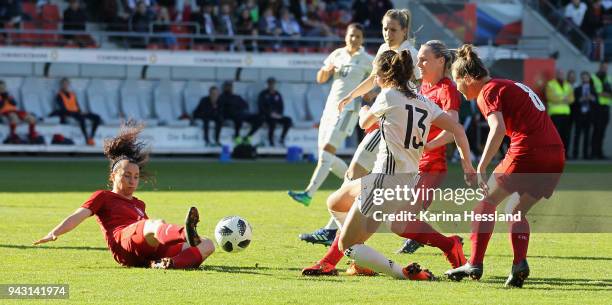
397,69
469,64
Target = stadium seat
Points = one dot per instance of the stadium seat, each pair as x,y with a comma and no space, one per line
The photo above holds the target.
192,93
167,103
13,86
36,98
252,94
101,101
157,72
282,75
16,69
316,97
135,101
79,85
293,97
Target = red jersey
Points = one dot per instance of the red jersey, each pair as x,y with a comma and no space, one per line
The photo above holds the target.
444,94
527,123
113,213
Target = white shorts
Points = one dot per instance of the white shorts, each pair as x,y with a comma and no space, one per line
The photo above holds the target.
334,130
371,200
365,154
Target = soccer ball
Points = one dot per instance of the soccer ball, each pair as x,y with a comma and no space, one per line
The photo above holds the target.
233,234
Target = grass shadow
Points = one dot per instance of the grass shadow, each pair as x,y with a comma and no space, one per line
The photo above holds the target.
588,258
561,282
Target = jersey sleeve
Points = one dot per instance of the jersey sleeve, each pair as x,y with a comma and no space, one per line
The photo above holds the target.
381,104
329,59
451,99
95,202
490,101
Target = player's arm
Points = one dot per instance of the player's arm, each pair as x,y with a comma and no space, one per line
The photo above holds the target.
366,86
497,131
366,117
325,73
445,136
455,129
66,226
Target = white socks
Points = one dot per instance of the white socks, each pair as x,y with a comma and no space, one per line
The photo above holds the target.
367,257
327,162
337,218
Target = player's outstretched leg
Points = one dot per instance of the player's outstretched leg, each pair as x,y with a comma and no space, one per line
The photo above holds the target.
519,273
409,246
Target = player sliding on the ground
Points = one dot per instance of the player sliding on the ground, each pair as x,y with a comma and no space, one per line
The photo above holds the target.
395,31
531,167
133,238
405,119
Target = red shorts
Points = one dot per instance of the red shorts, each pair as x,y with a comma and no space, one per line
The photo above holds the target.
536,173
135,252
20,114
432,171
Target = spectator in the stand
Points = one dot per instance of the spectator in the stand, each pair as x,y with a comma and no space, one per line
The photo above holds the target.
12,114
11,12
582,111
226,25
74,19
601,117
207,21
162,26
209,109
376,12
68,106
133,4
575,11
253,8
298,8
560,95
245,26
593,22
271,109
116,14
274,5
268,24
361,13
312,25
141,18
289,26
140,21
571,78
236,109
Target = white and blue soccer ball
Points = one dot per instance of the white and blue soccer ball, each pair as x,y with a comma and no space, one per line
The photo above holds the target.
233,234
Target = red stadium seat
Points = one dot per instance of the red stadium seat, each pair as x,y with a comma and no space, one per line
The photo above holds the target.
29,8
26,39
183,43
153,46
50,13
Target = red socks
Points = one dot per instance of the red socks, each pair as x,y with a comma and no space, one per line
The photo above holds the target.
169,234
424,233
188,258
481,233
519,236
333,255
32,131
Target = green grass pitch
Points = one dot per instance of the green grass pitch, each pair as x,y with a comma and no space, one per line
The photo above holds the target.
36,195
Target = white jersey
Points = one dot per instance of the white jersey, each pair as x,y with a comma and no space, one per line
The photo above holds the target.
349,72
404,124
406,45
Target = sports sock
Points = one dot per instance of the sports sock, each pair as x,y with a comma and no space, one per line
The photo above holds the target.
32,129
481,233
367,257
424,233
338,167
339,217
326,160
12,127
333,255
519,236
331,224
188,258
169,234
